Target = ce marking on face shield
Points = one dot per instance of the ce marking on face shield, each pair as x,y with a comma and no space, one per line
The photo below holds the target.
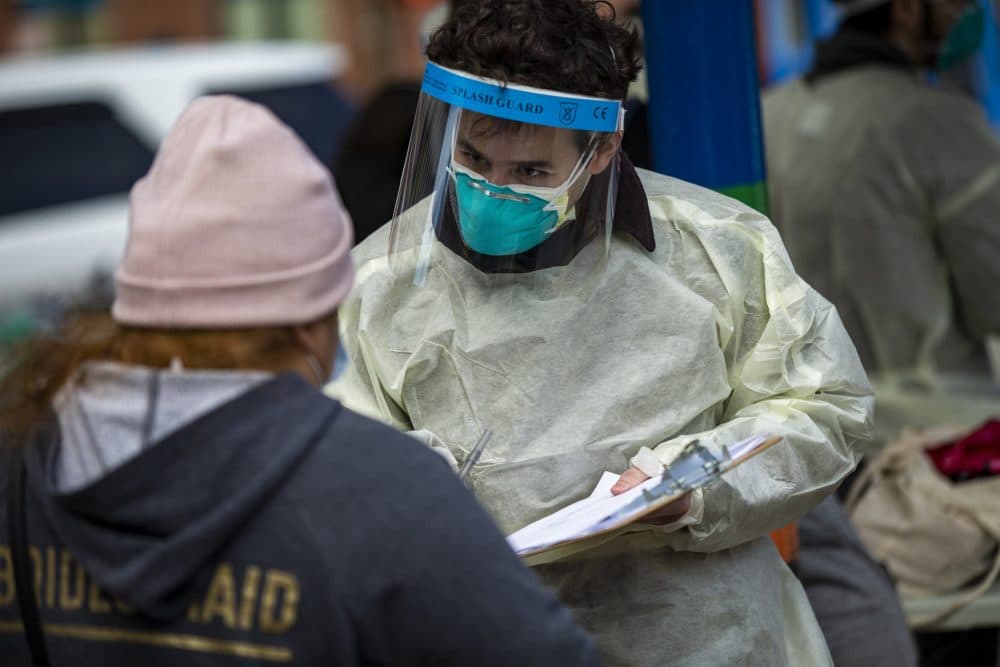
567,113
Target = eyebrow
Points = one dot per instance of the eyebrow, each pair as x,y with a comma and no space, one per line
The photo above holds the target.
467,145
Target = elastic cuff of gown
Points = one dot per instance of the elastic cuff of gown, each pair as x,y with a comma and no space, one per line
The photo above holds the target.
646,461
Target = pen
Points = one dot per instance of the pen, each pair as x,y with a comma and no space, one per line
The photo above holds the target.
474,455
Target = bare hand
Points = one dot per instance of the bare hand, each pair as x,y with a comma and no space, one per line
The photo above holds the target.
669,513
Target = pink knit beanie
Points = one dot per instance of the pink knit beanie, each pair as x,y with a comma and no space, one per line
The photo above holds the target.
235,225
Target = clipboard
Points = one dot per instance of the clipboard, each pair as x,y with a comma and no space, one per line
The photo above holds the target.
592,517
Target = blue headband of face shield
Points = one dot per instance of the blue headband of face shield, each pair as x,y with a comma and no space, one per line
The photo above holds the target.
522,103
511,219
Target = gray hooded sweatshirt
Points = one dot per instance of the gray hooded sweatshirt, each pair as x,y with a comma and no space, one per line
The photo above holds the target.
201,518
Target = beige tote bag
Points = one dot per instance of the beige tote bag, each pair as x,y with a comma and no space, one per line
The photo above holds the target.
935,536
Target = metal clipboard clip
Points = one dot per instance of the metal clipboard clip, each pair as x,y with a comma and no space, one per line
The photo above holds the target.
693,468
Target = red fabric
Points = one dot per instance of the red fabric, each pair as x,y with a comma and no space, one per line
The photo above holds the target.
975,455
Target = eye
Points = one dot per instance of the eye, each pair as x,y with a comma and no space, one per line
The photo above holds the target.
472,157
531,173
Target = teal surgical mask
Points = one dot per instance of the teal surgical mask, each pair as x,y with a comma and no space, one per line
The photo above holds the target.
509,219
963,39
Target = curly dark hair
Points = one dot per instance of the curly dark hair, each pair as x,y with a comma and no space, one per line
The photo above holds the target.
572,46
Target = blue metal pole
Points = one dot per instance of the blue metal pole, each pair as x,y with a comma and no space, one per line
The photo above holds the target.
704,101
991,65
821,17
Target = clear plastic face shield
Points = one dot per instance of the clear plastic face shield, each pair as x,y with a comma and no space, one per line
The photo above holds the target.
504,179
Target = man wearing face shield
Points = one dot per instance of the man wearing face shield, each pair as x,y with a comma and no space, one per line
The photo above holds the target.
887,193
591,316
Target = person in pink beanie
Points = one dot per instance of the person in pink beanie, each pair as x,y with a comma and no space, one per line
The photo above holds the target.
176,487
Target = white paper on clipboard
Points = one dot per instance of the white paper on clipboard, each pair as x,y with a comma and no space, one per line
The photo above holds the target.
602,511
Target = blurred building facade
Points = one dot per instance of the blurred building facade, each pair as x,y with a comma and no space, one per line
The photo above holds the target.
382,37
69,24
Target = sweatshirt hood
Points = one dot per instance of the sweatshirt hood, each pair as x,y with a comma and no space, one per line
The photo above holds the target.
148,524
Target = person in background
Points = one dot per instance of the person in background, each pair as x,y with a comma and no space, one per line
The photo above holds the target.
185,493
887,193
887,190
593,317
369,163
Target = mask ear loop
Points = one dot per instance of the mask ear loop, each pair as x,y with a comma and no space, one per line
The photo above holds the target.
581,166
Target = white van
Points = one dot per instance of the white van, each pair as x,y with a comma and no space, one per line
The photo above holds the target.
76,131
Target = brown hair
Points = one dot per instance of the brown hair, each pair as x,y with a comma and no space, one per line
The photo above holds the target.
39,368
574,46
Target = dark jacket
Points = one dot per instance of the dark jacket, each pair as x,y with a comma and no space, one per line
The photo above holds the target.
277,528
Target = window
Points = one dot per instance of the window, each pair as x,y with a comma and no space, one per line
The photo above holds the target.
62,153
